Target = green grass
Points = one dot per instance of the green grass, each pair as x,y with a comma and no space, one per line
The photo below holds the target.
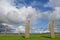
32,37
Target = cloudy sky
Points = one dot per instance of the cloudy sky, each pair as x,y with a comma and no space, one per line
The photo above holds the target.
15,13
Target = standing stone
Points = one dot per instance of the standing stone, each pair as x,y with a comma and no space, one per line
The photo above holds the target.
6,27
27,30
51,25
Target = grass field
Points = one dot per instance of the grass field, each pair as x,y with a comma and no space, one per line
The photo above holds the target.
32,37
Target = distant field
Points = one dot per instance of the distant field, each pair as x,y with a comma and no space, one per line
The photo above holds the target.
32,37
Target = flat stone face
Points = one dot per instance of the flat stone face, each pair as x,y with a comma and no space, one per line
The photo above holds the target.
52,34
6,27
27,30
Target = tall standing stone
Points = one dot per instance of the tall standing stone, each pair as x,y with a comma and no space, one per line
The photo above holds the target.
27,30
51,25
6,27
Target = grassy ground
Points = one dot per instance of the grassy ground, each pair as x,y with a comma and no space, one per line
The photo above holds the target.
32,37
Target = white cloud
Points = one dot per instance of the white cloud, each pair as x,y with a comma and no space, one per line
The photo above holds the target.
55,3
10,14
9,26
20,29
55,15
39,30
